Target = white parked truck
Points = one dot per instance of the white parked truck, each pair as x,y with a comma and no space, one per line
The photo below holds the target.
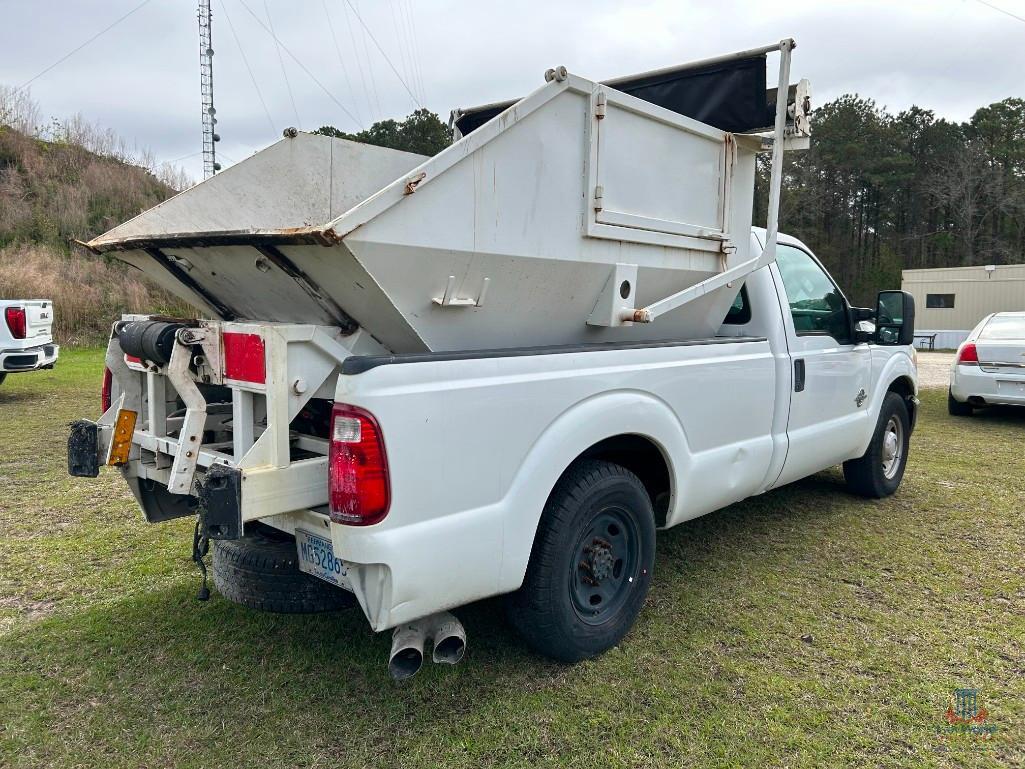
26,341
500,370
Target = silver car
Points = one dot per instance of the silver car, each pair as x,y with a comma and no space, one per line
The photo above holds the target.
989,368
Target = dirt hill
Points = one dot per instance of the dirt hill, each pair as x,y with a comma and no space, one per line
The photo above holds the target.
52,192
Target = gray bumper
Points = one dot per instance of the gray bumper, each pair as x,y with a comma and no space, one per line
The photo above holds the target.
30,359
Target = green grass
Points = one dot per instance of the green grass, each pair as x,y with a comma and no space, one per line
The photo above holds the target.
802,628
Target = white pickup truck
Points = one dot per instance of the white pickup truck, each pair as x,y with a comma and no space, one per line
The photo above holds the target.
543,472
499,370
26,343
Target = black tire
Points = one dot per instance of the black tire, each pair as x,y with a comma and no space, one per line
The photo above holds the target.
956,408
871,475
552,610
3,376
261,571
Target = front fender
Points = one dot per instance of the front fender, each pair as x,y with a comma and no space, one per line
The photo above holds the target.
897,365
575,430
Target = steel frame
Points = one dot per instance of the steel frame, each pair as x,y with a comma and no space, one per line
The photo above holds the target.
301,361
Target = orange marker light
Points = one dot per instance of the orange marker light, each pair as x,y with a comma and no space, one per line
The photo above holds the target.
121,441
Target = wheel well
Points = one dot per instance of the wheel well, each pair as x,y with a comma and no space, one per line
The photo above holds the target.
906,390
643,458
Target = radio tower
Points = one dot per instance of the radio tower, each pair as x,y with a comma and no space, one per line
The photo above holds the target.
206,83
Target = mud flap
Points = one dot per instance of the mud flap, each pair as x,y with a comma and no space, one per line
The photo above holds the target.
220,497
83,449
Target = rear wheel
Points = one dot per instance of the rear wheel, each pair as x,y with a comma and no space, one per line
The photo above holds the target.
591,564
878,472
956,408
3,376
261,571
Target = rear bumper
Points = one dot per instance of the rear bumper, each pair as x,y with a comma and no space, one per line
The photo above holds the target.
972,384
29,359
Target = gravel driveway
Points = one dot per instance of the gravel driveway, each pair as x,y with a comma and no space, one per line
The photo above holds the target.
934,369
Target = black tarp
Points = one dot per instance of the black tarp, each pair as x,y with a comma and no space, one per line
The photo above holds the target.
728,95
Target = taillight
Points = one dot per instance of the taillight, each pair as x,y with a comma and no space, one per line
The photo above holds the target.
358,488
15,317
108,379
244,357
968,354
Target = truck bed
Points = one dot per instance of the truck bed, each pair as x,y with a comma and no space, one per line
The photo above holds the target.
475,441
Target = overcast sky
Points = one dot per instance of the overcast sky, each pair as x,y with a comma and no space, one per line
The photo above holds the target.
141,78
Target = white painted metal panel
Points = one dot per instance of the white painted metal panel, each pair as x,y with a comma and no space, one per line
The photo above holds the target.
659,172
295,182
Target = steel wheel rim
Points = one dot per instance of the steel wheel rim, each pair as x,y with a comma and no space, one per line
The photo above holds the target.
604,569
893,447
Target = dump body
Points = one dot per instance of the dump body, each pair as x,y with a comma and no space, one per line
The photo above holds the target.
549,224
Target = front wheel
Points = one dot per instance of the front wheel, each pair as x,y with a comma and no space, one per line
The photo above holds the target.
591,564
3,376
878,472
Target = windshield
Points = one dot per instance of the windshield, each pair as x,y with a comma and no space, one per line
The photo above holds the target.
1004,327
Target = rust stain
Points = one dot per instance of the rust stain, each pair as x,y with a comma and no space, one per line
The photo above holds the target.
413,182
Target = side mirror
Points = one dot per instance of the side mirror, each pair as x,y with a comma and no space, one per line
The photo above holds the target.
895,318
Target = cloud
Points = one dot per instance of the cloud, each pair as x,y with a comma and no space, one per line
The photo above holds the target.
142,77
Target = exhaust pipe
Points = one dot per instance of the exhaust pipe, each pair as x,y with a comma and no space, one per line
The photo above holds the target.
409,641
407,650
449,639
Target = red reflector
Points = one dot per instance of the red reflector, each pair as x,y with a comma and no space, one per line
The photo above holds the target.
358,486
244,358
15,317
132,359
108,380
968,354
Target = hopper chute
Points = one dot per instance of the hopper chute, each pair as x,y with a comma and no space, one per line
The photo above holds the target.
562,219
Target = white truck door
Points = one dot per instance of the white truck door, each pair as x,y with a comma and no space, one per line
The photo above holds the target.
830,374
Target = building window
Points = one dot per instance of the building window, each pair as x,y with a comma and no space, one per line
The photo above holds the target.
939,301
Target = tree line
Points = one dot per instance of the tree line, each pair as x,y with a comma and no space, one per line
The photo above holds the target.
876,193
880,192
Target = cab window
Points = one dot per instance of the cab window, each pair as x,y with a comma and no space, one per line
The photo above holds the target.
740,311
815,302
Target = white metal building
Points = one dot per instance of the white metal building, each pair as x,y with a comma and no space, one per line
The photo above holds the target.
950,301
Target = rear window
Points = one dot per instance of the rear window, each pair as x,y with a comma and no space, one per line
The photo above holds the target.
740,311
1004,327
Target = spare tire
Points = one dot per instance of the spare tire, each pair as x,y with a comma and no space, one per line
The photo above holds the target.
261,571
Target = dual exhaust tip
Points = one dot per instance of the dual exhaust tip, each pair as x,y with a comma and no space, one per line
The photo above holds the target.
410,642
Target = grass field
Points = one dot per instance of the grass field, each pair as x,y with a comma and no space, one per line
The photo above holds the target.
803,628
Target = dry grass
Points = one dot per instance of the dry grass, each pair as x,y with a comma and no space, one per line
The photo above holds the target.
88,293
72,180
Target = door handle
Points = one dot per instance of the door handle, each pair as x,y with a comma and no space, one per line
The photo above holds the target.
799,375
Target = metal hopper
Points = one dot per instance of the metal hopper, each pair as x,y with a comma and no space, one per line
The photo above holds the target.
579,213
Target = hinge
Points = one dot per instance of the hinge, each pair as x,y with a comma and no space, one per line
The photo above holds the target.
599,105
598,192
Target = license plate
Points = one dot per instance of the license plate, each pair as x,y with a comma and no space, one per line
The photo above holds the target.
317,557
1010,388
